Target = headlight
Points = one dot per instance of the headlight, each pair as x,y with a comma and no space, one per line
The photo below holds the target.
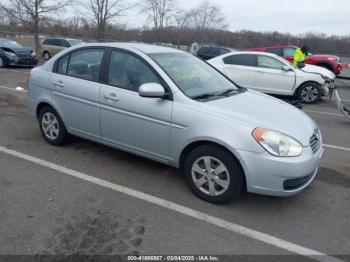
10,54
33,54
327,79
276,143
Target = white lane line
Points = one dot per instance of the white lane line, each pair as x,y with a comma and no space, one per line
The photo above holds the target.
324,113
337,147
250,233
14,89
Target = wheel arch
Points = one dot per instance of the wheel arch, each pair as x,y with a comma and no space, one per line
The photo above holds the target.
306,82
42,104
327,65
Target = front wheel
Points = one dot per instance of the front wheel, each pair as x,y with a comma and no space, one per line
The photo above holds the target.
309,93
213,174
52,127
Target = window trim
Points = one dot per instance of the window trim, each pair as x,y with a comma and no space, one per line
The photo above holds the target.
105,73
103,60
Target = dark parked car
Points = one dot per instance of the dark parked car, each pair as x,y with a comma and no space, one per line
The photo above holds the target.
12,53
209,52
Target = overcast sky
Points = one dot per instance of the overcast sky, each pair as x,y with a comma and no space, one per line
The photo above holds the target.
295,16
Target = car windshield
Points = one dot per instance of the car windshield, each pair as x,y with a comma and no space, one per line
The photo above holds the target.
9,43
194,77
75,42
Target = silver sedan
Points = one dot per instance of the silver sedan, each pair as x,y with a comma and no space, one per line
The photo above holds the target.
172,107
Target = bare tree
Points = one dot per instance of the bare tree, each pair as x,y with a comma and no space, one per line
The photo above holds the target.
181,21
205,17
159,12
103,11
31,12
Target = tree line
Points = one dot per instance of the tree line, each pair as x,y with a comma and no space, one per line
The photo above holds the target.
167,23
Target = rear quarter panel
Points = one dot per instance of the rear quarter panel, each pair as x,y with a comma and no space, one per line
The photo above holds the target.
39,90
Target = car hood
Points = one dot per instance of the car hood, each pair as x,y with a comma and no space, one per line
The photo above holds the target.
318,70
254,109
18,50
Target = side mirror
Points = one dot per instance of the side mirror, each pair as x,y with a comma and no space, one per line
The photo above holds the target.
153,90
300,65
286,68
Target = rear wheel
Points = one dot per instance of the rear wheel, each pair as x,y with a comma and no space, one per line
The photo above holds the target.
213,174
309,93
52,127
47,55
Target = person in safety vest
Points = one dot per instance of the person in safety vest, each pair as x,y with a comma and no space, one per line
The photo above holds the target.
301,54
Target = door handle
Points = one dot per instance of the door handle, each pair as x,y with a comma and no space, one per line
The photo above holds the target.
111,96
59,84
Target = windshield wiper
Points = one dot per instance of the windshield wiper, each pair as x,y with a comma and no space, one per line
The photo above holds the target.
204,96
229,92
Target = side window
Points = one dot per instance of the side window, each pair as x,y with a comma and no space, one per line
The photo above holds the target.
47,42
85,64
276,51
129,72
243,60
62,65
55,42
269,62
289,51
64,43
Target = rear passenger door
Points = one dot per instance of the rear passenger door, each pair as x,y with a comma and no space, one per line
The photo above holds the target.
75,87
128,121
241,68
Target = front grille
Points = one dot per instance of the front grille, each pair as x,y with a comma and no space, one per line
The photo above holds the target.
292,184
23,56
315,141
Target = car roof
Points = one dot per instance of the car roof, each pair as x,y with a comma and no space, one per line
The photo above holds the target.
144,48
246,53
273,46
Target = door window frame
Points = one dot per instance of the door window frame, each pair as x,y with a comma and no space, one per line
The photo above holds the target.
105,72
103,60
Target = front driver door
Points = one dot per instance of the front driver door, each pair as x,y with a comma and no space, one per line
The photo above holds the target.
270,78
128,121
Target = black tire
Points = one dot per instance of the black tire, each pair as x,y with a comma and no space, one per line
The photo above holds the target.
309,93
61,137
235,173
46,55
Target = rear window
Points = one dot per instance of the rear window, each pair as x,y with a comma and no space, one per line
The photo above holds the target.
242,60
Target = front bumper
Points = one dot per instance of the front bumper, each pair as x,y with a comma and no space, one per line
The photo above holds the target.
280,176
